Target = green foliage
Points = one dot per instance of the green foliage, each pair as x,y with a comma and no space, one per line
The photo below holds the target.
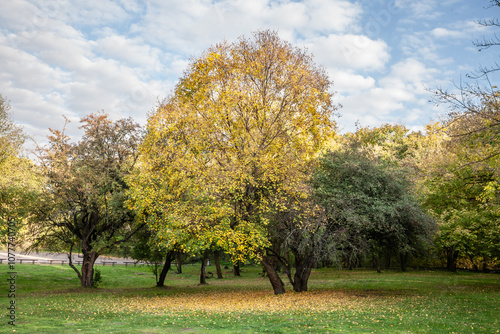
369,205
83,203
462,181
391,143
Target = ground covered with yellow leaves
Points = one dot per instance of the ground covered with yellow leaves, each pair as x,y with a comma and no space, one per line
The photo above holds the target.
360,301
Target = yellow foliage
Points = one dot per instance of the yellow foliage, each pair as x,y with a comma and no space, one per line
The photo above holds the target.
243,124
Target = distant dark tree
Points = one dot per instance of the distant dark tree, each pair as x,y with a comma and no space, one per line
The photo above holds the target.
369,206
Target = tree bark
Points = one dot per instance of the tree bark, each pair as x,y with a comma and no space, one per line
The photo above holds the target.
236,269
217,264
451,259
87,270
179,262
403,258
203,271
303,268
166,267
272,274
376,264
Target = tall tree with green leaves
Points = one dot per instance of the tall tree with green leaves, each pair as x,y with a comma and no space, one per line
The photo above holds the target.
83,203
470,212
463,184
369,206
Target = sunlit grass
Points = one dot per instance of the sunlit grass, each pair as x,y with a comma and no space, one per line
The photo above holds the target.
50,301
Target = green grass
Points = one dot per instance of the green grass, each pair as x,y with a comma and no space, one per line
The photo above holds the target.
49,300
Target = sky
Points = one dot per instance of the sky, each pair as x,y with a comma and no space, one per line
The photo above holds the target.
63,58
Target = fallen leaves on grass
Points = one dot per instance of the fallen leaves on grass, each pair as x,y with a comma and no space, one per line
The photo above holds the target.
231,301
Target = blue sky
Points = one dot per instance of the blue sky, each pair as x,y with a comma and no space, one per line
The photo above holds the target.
72,58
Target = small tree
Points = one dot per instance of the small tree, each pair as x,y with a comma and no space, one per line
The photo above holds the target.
299,228
83,203
147,248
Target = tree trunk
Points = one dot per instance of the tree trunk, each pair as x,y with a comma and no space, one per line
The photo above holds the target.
166,267
274,278
403,258
303,268
87,270
217,264
277,251
485,263
203,271
236,269
179,262
474,265
376,264
451,259
388,258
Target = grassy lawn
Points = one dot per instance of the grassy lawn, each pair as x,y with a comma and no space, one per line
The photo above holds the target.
49,300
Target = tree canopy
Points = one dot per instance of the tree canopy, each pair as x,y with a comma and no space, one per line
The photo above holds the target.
369,206
239,131
83,203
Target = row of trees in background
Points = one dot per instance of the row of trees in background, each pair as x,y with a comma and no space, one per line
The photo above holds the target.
244,161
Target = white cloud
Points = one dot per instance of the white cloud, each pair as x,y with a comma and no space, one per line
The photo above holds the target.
447,33
64,57
130,51
404,85
351,51
57,70
348,82
190,26
95,13
420,9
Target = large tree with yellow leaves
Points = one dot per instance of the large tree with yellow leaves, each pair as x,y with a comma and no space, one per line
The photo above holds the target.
236,135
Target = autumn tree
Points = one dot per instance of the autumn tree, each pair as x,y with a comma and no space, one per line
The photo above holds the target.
83,204
239,130
463,184
469,213
19,180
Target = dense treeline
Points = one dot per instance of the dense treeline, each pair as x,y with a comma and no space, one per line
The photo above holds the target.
244,162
